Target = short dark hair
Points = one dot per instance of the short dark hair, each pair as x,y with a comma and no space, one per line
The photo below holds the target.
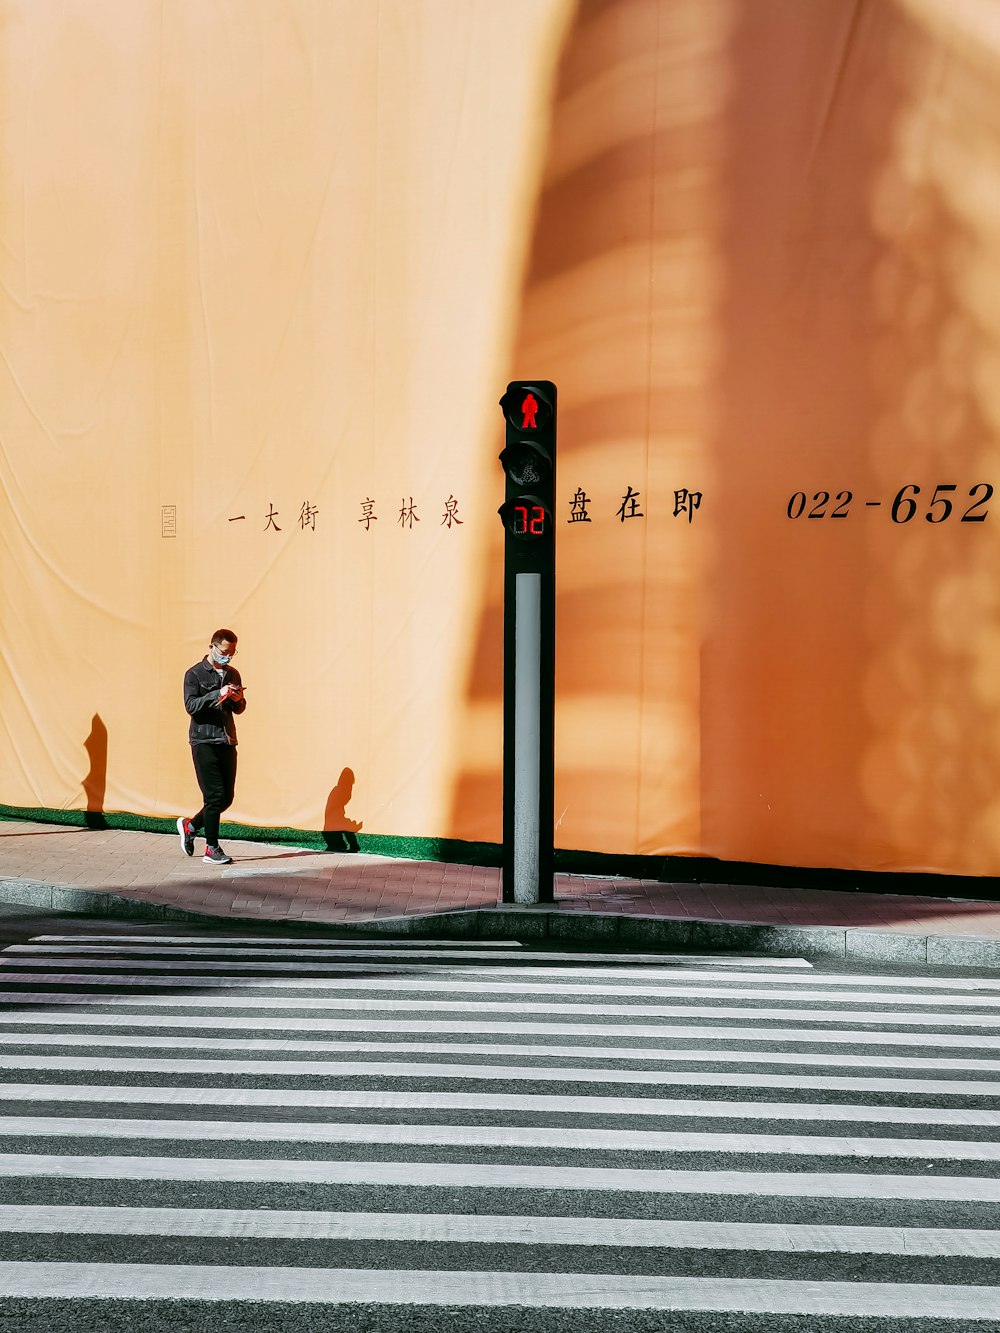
224,636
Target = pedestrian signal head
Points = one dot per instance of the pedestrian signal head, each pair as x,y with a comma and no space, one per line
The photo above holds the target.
529,459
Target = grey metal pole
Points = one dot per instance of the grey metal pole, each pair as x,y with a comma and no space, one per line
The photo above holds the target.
527,734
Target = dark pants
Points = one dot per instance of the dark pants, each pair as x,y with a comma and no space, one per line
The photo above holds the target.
215,766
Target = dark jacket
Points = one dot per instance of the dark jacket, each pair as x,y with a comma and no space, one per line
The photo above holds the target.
211,722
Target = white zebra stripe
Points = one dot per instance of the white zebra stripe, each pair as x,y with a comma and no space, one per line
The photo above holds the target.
496,1103
469,1175
530,962
505,1073
128,949
492,1050
24,971
535,1290
338,1286
427,982
30,1000
755,1033
398,942
407,943
467,1228
419,1069
500,1136
458,1228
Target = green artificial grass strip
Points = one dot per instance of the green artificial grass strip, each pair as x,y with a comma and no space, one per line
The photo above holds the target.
381,844
86,818
451,850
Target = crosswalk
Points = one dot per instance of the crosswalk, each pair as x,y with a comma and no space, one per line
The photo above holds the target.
195,1125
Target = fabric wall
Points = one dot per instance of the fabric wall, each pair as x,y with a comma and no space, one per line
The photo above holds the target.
266,267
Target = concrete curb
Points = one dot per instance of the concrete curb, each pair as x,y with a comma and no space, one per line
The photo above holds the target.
535,924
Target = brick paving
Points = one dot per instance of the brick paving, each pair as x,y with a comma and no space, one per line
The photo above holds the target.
280,883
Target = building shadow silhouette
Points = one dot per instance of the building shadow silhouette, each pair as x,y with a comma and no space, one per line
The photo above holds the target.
748,281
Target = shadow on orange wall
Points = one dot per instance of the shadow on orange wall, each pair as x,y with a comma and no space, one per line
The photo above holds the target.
750,278
339,831
96,781
619,309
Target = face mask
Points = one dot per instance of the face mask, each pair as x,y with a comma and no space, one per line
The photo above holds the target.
220,659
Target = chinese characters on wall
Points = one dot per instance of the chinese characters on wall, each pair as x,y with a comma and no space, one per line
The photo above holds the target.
579,510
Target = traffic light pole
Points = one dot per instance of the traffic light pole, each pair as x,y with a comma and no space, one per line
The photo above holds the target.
527,832
529,751
529,642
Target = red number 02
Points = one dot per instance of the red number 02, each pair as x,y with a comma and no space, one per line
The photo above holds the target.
537,525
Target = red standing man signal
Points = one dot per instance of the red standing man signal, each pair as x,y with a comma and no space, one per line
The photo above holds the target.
528,409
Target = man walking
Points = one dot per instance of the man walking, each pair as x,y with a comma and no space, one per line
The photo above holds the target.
213,692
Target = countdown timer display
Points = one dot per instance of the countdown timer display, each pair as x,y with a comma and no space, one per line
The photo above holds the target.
526,517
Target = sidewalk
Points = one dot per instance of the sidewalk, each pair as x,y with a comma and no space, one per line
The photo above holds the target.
145,877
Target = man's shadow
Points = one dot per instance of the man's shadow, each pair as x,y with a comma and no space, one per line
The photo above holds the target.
96,781
340,832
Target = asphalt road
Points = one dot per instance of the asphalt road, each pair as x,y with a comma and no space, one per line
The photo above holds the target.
232,1129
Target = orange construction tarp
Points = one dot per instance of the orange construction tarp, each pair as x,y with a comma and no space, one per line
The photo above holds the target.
265,269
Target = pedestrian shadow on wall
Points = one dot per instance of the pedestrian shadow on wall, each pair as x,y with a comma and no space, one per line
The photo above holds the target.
339,831
96,781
